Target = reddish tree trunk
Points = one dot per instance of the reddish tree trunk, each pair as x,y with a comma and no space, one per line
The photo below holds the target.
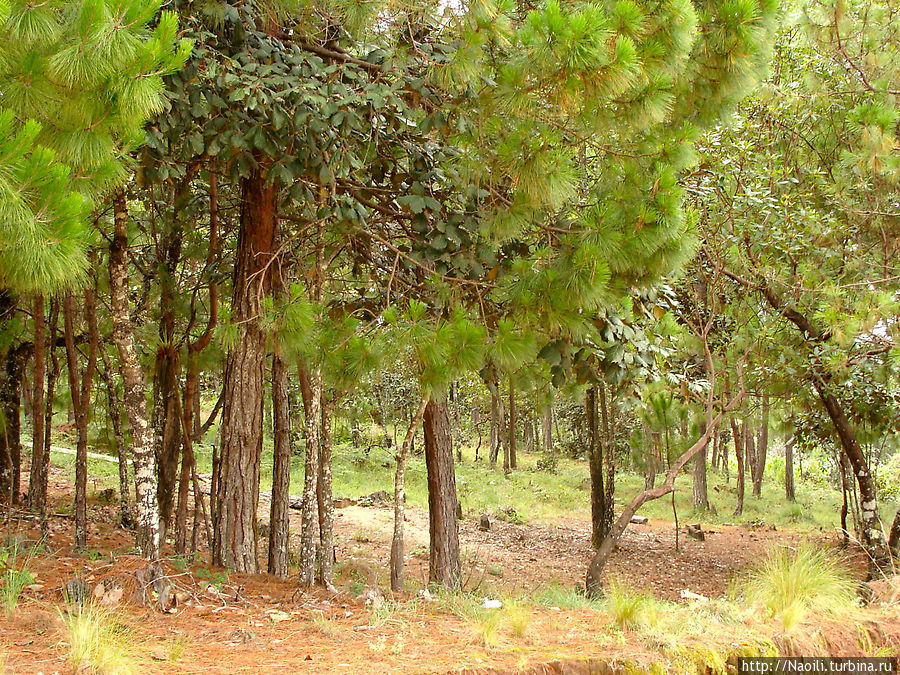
444,563
237,487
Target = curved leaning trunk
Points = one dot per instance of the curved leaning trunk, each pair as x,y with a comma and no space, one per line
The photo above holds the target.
133,377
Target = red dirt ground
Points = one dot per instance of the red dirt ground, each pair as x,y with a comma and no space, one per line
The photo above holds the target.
259,624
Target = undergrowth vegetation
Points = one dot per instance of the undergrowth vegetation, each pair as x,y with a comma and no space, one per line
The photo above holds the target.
792,584
99,643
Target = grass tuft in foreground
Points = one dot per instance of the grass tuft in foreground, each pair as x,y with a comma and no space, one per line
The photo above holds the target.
98,644
792,584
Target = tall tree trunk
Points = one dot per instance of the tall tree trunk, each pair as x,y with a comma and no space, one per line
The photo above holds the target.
595,466
312,403
133,379
873,539
9,453
700,493
738,434
762,448
397,541
528,434
52,376
324,498
608,419
80,389
37,484
444,563
789,492
845,498
16,358
653,460
498,442
511,466
126,503
241,431
279,520
547,428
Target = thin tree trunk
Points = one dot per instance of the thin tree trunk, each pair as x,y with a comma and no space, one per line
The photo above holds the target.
81,399
608,420
738,434
894,538
873,539
52,376
444,562
397,541
133,378
845,497
511,466
595,466
324,499
547,428
279,520
789,492
700,493
497,423
126,504
37,484
762,448
312,404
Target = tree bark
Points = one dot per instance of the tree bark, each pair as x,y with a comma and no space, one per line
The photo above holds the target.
498,437
397,541
762,448
444,563
81,400
133,378
52,376
894,538
739,436
547,428
126,503
510,465
700,492
312,403
37,484
595,467
324,498
241,431
279,521
789,492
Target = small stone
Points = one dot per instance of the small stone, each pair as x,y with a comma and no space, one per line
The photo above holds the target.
639,520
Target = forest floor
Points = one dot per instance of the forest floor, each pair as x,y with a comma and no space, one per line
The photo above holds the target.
234,623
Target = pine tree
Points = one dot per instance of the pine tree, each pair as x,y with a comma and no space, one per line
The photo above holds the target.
78,82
